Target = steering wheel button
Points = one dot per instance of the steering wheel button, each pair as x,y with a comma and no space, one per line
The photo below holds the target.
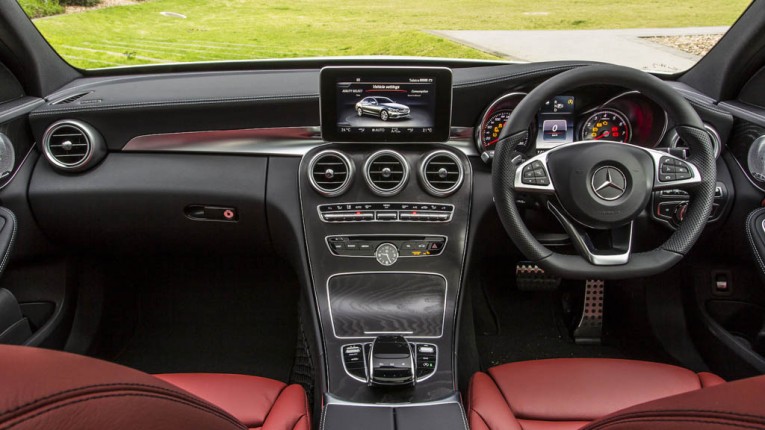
529,173
682,169
540,173
668,177
668,168
543,181
536,165
666,210
682,176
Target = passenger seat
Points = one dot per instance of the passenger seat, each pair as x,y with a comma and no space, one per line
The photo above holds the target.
42,388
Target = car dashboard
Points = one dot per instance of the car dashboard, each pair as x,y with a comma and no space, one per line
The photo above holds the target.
381,228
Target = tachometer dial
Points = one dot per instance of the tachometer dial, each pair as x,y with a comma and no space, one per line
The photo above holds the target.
608,124
492,129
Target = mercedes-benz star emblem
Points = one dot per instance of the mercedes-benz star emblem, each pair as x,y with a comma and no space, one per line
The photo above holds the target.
609,183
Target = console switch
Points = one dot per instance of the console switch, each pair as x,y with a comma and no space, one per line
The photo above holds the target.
426,359
353,359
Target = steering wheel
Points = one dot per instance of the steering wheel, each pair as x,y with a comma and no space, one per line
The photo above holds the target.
601,188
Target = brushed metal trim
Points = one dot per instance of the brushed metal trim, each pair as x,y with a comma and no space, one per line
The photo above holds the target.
331,400
446,241
451,213
268,141
287,141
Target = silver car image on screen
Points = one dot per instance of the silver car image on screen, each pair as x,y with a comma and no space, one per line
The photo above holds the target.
381,107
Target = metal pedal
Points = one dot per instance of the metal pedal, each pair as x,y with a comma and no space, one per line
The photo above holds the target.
589,331
530,277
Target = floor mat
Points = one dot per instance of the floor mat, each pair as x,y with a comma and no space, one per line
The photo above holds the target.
532,325
232,316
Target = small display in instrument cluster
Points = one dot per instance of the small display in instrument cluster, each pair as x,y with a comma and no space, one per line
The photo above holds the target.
556,122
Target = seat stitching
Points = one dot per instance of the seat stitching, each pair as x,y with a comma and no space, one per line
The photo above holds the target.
685,420
87,399
87,387
298,421
481,418
695,411
504,397
276,400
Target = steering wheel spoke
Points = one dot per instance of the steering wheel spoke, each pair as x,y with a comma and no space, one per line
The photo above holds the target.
673,172
533,176
615,245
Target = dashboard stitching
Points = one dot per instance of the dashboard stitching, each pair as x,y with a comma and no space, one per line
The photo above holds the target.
744,114
176,103
701,105
518,75
20,110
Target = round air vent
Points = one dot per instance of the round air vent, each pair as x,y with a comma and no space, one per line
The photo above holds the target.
714,136
441,173
386,172
73,145
330,173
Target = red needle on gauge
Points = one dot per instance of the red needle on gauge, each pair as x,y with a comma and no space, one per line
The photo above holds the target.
601,135
487,144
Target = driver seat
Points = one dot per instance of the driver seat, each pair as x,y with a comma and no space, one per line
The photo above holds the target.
568,394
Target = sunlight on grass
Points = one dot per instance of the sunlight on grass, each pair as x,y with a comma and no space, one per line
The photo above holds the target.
244,29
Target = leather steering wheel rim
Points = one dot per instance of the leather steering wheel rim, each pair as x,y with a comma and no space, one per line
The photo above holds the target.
688,126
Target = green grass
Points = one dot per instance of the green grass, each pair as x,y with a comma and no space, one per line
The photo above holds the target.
254,29
38,8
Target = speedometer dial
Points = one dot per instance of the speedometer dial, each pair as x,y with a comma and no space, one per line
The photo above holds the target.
492,129
493,120
608,124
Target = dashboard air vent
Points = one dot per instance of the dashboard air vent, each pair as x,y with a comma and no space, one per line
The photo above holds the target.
441,173
386,172
73,145
330,173
714,136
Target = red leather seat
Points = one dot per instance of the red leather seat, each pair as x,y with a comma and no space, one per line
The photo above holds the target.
567,394
733,406
48,389
254,401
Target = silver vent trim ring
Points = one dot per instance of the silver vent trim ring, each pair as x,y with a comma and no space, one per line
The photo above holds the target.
714,136
64,142
321,157
395,185
441,189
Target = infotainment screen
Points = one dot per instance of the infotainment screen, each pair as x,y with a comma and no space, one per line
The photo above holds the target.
386,104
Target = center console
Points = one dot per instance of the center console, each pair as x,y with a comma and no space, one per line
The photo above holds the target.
385,210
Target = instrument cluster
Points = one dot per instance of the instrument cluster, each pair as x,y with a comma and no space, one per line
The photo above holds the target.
586,114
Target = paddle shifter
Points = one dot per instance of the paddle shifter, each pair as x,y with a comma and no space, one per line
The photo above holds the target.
391,362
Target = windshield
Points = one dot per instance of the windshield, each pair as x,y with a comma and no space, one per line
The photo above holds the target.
667,36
